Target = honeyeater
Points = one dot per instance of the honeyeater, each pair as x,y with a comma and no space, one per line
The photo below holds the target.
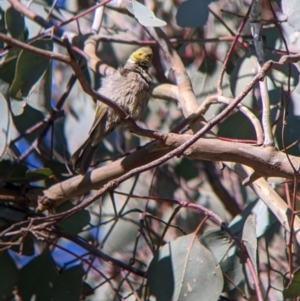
130,87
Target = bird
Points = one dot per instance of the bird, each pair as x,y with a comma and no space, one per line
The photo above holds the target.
130,87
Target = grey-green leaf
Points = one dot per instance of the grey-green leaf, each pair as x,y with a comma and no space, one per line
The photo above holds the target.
193,13
40,97
15,22
8,275
293,289
144,15
37,278
68,286
250,241
184,270
30,69
38,174
76,222
5,126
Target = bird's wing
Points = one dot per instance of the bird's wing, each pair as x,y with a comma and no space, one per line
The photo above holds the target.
100,112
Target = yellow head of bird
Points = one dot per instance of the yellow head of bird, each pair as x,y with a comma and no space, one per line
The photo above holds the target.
142,57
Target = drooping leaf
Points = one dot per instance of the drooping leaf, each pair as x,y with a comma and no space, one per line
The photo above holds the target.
38,174
68,286
184,270
7,69
5,126
15,23
218,242
12,214
144,15
2,25
8,275
186,169
9,172
205,81
293,288
26,247
247,68
40,97
37,278
250,241
221,244
29,70
75,223
264,218
28,118
87,290
193,13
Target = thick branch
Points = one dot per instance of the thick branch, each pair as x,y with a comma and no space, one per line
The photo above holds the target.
266,161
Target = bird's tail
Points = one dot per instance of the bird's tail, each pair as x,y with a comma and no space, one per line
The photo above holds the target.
82,158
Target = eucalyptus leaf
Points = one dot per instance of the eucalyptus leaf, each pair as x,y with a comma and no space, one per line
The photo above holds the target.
193,13
40,97
8,275
184,269
5,126
30,69
293,288
68,285
15,23
38,174
144,15
37,278
250,241
75,223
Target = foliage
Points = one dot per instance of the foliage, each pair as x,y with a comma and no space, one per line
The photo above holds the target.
158,216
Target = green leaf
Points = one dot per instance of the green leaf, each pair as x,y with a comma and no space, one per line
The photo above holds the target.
144,15
31,64
68,286
246,69
293,288
205,81
15,23
40,97
8,276
12,214
250,241
186,169
7,70
193,13
26,247
233,268
9,171
29,117
87,290
38,174
37,278
17,106
2,25
184,270
221,244
75,223
218,242
228,128
5,126
264,218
